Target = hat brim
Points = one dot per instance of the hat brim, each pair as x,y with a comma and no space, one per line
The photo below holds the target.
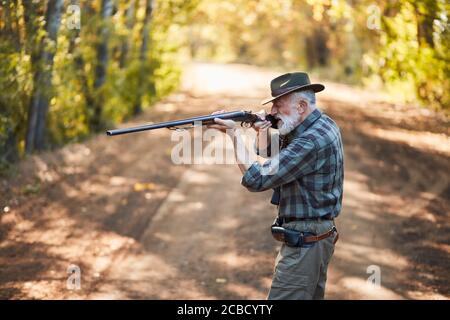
316,87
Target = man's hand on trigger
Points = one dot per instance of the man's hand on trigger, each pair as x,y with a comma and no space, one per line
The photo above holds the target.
261,125
225,126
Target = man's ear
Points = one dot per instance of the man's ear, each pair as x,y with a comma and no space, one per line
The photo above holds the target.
302,106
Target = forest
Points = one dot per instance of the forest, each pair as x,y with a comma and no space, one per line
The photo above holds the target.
69,69
84,215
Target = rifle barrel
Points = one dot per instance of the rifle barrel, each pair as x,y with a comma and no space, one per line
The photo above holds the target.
209,119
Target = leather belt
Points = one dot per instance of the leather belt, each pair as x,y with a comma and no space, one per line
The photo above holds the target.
310,239
290,219
295,238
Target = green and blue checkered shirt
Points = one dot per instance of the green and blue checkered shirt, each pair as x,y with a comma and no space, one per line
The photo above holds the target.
309,170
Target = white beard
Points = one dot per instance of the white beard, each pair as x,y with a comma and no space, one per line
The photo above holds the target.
288,123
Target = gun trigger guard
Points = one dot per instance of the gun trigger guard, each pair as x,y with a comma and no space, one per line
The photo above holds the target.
179,129
246,124
176,128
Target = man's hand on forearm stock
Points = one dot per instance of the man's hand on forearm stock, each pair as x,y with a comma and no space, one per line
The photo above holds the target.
226,126
230,128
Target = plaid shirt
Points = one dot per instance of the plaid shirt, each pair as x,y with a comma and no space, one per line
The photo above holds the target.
310,172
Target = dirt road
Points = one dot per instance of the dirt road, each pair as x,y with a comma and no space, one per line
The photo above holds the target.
140,227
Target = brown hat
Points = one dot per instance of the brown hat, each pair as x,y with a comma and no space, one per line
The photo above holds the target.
290,82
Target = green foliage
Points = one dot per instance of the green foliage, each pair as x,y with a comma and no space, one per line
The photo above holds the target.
15,86
408,51
130,80
410,58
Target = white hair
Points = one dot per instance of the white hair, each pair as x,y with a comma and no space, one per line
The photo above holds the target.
307,95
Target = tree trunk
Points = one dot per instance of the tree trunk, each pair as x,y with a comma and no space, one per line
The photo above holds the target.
317,52
10,148
95,120
38,109
31,10
130,17
79,60
10,34
425,17
146,29
143,54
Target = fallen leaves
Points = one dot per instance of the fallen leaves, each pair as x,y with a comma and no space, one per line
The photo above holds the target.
145,186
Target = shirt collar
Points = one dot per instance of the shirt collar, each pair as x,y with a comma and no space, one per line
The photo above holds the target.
310,119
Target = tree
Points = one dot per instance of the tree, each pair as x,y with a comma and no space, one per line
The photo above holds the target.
10,112
38,108
95,119
130,15
145,69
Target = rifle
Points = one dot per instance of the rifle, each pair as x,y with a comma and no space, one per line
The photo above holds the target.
246,118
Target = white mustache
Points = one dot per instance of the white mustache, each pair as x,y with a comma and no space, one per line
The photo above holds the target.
288,123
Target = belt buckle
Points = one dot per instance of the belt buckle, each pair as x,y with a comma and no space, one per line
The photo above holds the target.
301,239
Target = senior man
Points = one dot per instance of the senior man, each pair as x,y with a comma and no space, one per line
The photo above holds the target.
306,175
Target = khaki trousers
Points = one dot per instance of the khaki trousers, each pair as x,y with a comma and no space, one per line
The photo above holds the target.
301,273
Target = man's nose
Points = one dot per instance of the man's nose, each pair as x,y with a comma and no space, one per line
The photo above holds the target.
273,111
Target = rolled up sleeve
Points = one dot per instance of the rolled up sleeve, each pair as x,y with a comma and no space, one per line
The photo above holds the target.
296,160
